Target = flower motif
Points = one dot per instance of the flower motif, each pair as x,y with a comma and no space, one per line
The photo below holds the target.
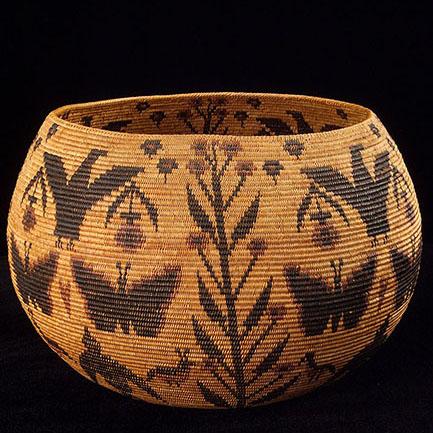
277,312
294,147
29,218
230,148
273,168
157,117
342,113
52,130
197,241
142,106
166,166
184,114
196,166
36,143
325,236
200,147
151,147
245,168
242,116
257,247
254,102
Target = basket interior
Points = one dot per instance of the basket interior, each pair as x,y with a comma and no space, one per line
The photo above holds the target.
217,114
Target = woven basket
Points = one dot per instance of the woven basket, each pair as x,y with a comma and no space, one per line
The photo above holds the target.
214,250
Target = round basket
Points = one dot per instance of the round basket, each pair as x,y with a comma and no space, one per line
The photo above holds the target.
217,249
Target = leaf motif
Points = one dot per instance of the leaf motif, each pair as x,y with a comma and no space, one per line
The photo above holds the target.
198,214
151,209
206,343
211,397
114,206
208,303
259,307
271,358
30,184
275,393
302,210
44,194
247,221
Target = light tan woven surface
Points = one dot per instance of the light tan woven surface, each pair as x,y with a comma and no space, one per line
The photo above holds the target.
214,250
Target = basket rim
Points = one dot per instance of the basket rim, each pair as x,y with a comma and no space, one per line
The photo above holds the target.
55,116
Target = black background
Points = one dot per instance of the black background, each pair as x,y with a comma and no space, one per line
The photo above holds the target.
377,55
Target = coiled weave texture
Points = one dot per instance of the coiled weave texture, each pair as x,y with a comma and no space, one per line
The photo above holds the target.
214,250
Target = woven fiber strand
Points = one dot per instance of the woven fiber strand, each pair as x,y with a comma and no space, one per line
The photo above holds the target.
217,249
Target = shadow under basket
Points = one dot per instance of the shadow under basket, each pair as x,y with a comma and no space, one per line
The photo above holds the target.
214,250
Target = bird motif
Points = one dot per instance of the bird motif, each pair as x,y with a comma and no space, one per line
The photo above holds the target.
367,194
34,280
75,197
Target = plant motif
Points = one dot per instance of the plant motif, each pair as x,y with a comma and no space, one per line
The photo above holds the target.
142,106
117,125
157,117
294,147
29,217
303,126
254,102
342,113
166,166
367,194
130,235
374,129
53,129
231,368
241,116
273,168
87,120
205,115
151,147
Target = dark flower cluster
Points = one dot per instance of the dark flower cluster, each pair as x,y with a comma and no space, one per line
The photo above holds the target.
294,147
257,247
230,148
273,168
245,168
151,147
196,167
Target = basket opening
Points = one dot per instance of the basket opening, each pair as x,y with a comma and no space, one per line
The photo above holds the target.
239,114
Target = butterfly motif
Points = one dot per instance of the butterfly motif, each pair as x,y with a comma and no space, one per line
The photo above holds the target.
144,304
320,303
34,280
406,272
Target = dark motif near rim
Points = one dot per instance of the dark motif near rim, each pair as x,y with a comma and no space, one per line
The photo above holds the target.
320,303
144,304
75,197
34,280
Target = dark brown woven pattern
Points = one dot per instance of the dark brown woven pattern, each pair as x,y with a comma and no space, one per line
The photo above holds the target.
214,250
